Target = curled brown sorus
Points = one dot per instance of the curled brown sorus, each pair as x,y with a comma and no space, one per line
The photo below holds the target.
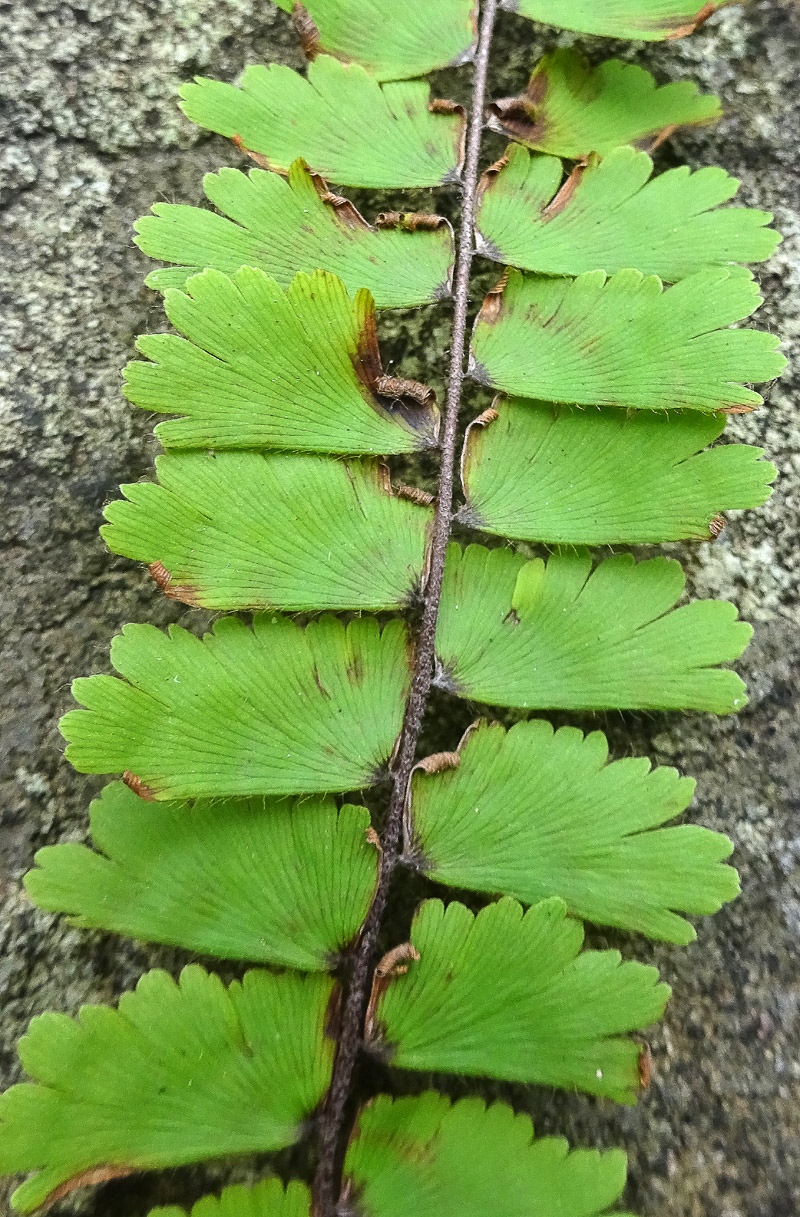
183,592
394,963
306,30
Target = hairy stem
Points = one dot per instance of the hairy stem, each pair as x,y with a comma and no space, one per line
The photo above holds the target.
326,1185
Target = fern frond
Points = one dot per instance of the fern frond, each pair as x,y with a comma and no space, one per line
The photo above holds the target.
625,341
270,710
284,227
572,109
268,1198
245,530
426,1157
274,497
603,476
534,813
390,45
559,635
610,213
507,994
266,880
264,368
341,121
179,1073
643,20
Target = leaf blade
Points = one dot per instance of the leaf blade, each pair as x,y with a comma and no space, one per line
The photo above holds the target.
624,341
369,33
611,213
571,109
283,227
179,1073
563,636
565,476
647,20
532,813
344,124
425,1156
245,530
315,385
272,710
264,880
267,1198
507,995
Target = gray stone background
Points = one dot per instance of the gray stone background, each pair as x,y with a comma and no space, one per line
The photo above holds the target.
91,137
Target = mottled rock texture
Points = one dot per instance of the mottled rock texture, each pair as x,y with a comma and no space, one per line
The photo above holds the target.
92,136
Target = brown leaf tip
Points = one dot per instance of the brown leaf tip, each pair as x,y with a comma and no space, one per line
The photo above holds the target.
397,389
648,143
173,591
346,211
306,30
394,963
492,305
411,401
488,176
699,19
565,193
408,400
489,415
409,221
440,105
518,116
96,1174
256,157
414,494
161,575
139,787
439,761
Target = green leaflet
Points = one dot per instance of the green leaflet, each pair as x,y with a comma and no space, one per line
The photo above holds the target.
178,1074
561,636
390,46
266,880
610,214
598,477
571,109
533,813
506,994
647,20
624,341
242,530
348,127
284,227
424,1157
275,709
264,368
265,1199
